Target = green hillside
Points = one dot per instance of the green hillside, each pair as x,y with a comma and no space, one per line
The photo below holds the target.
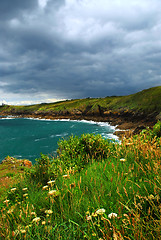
147,101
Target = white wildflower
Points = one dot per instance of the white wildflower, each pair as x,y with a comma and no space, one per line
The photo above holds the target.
13,189
37,219
100,211
25,195
122,160
51,182
66,176
112,215
89,218
53,193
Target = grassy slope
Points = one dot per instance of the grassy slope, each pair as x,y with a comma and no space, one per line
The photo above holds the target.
117,178
147,101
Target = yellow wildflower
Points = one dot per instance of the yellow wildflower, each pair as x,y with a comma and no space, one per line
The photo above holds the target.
23,231
49,211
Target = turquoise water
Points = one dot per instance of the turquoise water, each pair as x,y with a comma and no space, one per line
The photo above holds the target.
27,138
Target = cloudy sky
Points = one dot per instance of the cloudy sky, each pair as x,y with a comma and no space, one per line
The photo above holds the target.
63,49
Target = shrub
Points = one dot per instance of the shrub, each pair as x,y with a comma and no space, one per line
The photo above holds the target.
77,152
42,170
157,129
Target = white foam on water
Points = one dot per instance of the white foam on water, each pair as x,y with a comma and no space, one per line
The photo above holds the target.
101,124
110,136
39,139
7,118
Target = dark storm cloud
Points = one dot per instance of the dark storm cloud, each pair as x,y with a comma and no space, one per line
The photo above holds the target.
74,49
10,9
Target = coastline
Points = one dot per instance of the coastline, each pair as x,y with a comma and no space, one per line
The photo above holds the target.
124,125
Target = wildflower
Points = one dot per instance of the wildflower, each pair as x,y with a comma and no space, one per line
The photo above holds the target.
66,176
94,215
45,187
122,160
37,219
54,193
51,182
6,201
112,215
43,222
24,189
49,211
33,213
89,218
23,231
26,194
10,210
100,211
13,189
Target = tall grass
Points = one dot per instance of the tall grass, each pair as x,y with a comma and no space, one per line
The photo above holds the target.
93,189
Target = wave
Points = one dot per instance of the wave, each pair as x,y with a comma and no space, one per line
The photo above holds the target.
6,118
111,128
110,136
39,139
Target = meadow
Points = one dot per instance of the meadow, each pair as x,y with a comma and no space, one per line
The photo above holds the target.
93,189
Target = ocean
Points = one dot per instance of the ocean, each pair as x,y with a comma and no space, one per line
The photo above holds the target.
27,138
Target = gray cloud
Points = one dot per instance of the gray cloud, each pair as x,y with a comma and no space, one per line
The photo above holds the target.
10,9
79,48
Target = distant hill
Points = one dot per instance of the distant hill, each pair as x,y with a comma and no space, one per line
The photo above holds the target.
144,104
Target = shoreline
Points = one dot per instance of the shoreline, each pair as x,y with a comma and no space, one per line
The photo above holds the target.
100,123
123,126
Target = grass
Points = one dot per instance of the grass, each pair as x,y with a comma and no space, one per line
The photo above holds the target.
105,190
10,174
146,101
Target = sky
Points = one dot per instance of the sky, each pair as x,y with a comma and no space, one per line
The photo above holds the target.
64,49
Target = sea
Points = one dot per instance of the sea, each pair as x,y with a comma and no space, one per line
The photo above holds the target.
27,138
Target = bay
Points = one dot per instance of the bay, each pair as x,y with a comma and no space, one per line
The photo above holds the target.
27,138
